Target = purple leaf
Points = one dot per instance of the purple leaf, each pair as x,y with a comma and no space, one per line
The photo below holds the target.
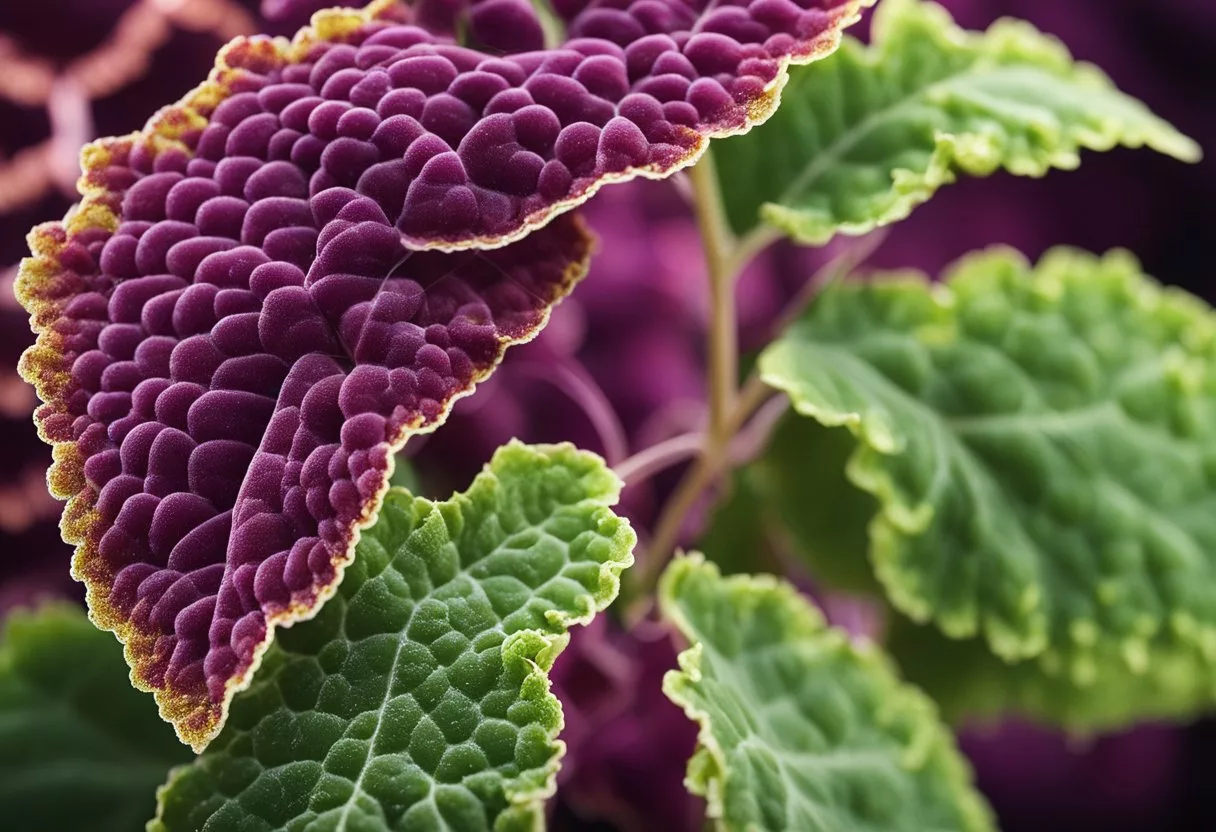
240,323
224,403
462,149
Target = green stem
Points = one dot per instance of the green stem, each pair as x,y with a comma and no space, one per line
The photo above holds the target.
708,466
719,244
729,408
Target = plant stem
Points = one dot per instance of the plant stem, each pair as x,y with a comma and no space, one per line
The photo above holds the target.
645,464
572,378
729,409
719,244
714,457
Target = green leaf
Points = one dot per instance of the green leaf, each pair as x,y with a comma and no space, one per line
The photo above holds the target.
795,499
865,136
79,747
801,480
800,729
1043,446
418,698
735,538
968,682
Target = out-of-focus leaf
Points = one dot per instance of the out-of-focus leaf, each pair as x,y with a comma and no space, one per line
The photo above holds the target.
969,682
79,747
735,538
1042,443
801,480
800,729
419,697
864,137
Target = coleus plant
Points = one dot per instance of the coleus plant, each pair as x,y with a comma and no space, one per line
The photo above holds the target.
268,291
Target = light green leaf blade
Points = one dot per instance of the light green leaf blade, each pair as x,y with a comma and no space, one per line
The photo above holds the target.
800,729
418,698
1042,443
79,747
865,136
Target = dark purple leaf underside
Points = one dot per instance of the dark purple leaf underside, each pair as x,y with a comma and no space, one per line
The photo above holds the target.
239,325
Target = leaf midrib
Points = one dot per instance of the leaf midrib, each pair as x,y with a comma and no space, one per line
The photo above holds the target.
464,571
1048,420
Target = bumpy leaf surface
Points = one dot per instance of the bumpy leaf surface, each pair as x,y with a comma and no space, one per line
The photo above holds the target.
462,149
1042,444
228,367
799,728
237,329
79,747
418,698
865,137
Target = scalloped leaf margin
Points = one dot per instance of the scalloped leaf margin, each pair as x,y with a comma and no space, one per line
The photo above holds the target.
224,410
864,138
311,153
493,147
1042,445
419,697
800,728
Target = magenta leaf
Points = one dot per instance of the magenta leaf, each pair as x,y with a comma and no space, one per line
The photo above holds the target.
464,149
242,322
224,404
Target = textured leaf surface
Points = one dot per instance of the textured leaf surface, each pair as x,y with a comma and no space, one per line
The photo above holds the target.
865,137
1043,447
418,698
79,747
799,728
463,149
228,369
236,329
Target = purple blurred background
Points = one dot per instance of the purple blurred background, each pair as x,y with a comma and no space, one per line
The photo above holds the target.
74,69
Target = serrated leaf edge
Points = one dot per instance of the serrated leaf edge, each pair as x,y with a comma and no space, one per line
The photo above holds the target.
973,153
535,648
895,518
707,769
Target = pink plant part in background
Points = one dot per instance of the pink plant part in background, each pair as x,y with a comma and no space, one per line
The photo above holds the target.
30,81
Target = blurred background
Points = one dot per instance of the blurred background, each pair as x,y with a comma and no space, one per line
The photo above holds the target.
619,368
